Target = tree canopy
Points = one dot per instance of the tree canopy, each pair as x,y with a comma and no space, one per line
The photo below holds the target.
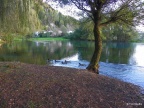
18,16
27,16
105,12
129,12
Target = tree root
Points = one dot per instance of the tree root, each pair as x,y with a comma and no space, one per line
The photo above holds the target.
93,69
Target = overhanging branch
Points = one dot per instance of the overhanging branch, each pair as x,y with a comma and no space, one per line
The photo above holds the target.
80,5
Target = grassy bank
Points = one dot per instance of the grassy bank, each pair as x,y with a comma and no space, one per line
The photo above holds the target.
21,37
35,86
48,39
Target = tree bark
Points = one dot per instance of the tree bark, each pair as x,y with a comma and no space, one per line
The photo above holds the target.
94,63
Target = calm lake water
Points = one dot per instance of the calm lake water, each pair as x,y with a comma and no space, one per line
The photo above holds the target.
123,61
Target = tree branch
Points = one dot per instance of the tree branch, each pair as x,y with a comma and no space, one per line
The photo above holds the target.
114,17
80,5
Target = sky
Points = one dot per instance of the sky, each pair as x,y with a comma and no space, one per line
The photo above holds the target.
140,28
71,10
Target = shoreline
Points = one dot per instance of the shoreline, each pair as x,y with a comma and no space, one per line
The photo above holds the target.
29,85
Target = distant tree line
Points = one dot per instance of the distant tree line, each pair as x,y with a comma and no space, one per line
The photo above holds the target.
113,32
22,17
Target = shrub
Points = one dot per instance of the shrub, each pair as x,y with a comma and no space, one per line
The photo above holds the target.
42,34
8,38
78,34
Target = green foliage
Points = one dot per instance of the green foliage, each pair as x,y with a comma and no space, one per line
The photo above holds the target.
27,16
48,39
8,38
48,15
63,29
79,34
44,34
57,23
18,16
123,33
106,12
141,37
113,32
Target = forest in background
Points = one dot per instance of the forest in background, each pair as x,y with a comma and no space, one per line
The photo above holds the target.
28,16
24,17
113,32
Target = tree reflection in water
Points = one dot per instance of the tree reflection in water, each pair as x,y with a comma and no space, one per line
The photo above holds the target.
117,60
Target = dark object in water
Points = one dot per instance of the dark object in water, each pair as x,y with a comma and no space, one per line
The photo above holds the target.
56,61
67,61
64,62
48,60
81,64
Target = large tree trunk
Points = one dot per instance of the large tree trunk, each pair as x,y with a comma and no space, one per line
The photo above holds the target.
94,63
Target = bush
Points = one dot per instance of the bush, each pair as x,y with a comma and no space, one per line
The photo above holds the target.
42,34
79,34
28,35
8,38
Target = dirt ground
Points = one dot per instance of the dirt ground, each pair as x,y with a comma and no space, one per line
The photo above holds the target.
41,86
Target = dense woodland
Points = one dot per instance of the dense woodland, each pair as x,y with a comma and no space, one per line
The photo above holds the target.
18,16
113,32
23,17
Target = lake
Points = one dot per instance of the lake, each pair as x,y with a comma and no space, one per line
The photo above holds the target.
124,61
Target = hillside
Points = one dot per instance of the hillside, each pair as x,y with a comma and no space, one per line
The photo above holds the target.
24,17
54,21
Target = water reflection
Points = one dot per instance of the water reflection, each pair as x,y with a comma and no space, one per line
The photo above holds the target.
128,73
39,52
118,53
72,58
35,52
137,57
124,61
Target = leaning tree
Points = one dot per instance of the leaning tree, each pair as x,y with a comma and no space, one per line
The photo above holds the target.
105,12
